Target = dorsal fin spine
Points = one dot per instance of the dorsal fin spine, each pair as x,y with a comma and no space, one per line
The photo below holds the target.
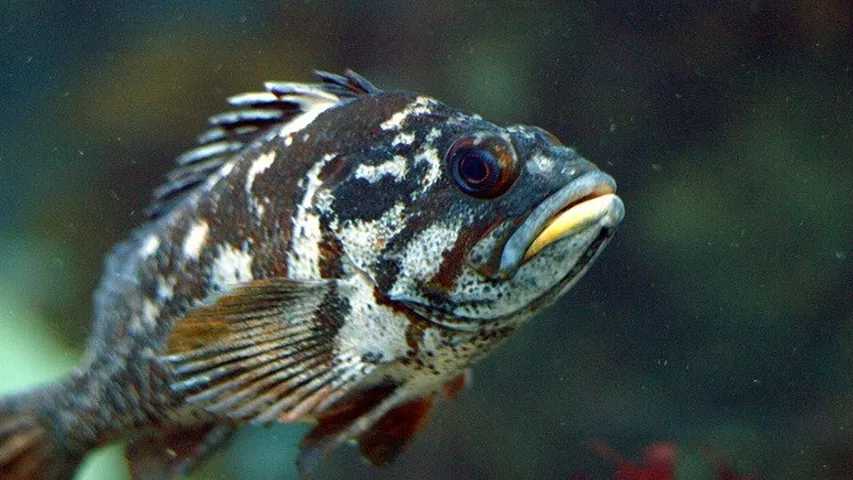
288,104
207,151
210,136
283,89
238,117
254,100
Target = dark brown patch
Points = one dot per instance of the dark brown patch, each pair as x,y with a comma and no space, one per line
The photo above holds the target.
331,252
454,260
415,336
336,169
390,435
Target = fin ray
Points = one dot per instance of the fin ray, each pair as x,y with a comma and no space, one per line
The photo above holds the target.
256,379
335,421
249,355
276,392
263,351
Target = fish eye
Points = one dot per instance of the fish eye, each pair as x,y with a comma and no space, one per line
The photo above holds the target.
482,167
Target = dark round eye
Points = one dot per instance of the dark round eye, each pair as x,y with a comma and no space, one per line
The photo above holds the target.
483,168
478,168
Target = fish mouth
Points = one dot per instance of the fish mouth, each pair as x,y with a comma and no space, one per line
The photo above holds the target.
588,201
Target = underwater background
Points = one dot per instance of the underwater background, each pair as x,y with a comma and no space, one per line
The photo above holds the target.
716,328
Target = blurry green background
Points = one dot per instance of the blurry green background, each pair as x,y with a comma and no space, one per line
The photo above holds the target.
719,319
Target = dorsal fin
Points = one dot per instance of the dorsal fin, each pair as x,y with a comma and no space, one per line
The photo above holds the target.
255,114
350,84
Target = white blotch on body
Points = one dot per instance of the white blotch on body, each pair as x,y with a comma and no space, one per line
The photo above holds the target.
195,239
260,165
430,156
403,138
395,167
433,135
313,107
223,172
230,267
323,202
423,256
370,327
420,106
165,287
363,240
149,246
303,260
150,312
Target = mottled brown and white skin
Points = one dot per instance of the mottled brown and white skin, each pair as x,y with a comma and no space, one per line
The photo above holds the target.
330,253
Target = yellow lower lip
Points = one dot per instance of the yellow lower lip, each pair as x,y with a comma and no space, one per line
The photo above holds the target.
576,219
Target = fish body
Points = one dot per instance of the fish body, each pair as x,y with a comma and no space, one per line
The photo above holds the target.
331,253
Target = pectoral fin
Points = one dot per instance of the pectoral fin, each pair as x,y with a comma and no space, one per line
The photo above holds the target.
265,351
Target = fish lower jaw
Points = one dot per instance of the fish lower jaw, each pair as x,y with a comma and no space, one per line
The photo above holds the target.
602,211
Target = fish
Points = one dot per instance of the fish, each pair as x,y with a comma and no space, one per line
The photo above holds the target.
328,252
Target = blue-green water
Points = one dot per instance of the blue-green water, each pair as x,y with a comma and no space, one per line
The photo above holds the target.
720,319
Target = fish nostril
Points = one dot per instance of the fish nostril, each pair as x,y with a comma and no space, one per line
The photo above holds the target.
585,165
577,167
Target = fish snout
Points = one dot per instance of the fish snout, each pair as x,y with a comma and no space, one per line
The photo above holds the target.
587,201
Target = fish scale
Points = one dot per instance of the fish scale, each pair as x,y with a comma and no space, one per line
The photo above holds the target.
324,254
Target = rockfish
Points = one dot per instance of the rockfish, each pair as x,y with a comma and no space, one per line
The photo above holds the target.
330,253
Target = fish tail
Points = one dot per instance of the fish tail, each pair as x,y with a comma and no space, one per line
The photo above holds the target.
29,448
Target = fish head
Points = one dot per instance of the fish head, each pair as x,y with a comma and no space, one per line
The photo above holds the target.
466,222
